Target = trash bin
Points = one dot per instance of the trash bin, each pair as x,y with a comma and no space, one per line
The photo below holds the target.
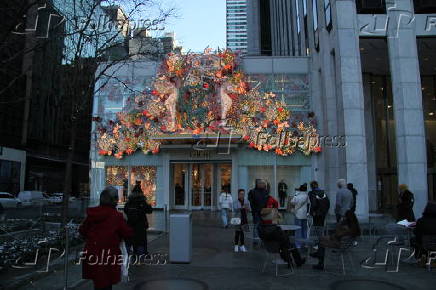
180,238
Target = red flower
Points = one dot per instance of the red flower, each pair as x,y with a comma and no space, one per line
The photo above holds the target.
246,137
129,151
102,152
163,128
155,150
145,113
317,149
154,92
263,109
251,145
280,109
206,85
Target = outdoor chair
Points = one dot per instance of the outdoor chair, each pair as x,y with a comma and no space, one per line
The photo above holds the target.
429,245
343,252
272,256
313,236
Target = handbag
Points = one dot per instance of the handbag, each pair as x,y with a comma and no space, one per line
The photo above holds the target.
235,221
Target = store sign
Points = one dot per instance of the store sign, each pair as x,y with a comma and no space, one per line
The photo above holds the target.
200,154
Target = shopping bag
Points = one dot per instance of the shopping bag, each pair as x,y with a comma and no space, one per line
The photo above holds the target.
125,265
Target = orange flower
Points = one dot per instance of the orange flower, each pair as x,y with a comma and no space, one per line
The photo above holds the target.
155,150
129,151
138,122
102,152
276,122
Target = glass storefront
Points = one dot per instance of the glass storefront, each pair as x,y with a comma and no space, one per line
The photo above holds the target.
145,176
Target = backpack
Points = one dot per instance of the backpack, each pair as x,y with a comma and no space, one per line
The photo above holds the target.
260,198
320,204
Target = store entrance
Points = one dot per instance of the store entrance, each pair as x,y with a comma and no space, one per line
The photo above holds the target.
198,185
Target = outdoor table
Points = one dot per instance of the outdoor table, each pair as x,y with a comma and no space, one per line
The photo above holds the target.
289,227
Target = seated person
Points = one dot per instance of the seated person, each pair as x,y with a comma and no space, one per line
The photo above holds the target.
270,232
426,225
348,227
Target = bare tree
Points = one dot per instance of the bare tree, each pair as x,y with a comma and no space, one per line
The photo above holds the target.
79,35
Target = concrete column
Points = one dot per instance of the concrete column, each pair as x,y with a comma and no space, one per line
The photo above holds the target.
407,95
350,94
253,27
295,44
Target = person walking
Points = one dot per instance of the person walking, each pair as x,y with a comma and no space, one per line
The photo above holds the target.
282,188
103,230
301,205
241,206
257,197
351,188
136,210
225,205
319,204
344,200
405,204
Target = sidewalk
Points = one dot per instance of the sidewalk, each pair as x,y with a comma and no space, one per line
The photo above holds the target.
216,267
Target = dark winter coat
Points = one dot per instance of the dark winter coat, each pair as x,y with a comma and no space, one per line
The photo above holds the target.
136,210
405,206
427,224
103,229
258,198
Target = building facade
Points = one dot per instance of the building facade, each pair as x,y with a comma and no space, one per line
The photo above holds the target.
236,25
183,176
373,81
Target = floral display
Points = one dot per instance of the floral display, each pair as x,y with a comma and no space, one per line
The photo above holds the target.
207,93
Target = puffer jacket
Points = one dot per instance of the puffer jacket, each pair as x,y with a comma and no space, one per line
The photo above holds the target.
300,202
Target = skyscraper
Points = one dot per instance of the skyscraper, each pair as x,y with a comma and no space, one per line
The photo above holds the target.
236,25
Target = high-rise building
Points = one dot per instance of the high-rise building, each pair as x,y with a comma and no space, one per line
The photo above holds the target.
372,82
236,25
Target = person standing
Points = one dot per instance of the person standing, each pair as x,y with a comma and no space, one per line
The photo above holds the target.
282,188
301,204
405,204
136,210
351,188
257,197
241,206
319,204
103,230
344,200
225,205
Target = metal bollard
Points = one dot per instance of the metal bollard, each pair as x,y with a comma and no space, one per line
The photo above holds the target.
166,217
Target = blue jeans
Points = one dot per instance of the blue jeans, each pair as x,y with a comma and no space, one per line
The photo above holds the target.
256,222
301,233
224,216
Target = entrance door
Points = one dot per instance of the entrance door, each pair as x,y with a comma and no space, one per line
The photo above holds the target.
201,185
192,185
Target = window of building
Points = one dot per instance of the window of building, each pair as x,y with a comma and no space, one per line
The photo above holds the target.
315,14
371,6
328,14
10,175
425,6
125,178
427,64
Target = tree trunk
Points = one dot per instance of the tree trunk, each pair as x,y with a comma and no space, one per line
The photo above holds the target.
68,173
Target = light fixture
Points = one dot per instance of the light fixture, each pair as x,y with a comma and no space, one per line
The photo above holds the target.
431,114
389,106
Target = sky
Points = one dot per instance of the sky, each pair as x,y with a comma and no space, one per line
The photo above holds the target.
199,23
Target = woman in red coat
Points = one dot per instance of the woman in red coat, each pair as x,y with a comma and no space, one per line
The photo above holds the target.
103,229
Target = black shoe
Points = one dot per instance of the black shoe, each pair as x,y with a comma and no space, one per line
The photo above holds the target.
318,267
301,263
314,255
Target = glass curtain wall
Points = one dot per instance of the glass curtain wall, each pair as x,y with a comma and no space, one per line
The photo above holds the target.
427,64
